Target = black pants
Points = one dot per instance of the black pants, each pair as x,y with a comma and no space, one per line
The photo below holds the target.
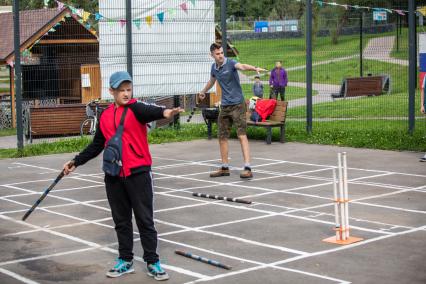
275,91
124,194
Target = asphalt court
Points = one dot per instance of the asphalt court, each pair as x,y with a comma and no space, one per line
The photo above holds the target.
70,238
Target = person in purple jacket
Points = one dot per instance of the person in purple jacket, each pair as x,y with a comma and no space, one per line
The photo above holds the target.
278,81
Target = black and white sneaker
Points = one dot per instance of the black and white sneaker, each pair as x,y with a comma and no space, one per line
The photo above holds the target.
121,267
155,270
423,159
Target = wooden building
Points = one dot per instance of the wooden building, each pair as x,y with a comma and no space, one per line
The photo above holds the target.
58,50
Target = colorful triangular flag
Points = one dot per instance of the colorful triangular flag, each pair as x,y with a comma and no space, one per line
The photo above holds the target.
122,23
137,23
422,11
98,16
73,10
193,2
148,20
400,12
110,23
80,12
160,17
60,5
184,7
86,16
171,11
10,62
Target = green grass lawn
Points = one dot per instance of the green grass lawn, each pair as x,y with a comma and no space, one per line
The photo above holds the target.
374,134
335,72
292,93
402,53
292,52
157,136
394,105
7,132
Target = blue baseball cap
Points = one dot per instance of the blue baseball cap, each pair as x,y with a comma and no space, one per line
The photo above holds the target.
119,77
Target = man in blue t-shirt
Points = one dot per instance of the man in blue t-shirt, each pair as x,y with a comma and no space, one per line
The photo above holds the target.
233,107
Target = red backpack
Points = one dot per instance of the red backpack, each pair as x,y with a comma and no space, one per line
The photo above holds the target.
265,108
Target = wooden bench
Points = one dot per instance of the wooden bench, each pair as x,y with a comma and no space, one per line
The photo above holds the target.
364,86
65,119
60,120
277,119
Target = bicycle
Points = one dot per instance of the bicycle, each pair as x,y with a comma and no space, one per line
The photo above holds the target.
88,126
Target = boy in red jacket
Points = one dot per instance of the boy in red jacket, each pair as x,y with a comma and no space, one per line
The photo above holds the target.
132,190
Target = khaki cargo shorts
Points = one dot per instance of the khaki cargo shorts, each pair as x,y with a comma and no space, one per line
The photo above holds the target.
234,115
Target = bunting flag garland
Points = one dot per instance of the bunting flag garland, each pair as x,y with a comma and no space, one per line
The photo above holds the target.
422,11
137,23
160,17
149,20
122,23
172,11
80,12
184,7
60,5
84,16
98,16
110,23
400,12
10,62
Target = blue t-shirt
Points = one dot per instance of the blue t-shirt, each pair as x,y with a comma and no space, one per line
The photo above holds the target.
229,81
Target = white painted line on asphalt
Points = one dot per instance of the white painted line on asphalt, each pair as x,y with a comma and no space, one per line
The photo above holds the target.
17,276
322,165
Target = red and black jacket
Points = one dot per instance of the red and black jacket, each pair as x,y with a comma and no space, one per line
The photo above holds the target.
136,156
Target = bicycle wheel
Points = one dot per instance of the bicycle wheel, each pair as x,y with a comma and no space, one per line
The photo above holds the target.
87,126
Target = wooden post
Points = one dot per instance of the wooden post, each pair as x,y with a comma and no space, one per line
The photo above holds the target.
12,95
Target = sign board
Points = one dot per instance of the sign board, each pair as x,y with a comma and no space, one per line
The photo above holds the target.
276,26
85,80
380,16
260,27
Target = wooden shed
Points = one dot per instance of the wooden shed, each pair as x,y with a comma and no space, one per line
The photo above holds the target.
59,56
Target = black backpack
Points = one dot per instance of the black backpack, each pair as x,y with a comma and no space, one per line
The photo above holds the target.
113,151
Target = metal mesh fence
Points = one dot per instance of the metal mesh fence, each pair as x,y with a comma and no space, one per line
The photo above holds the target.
68,52
360,63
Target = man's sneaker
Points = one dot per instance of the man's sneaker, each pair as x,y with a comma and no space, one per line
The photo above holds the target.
121,267
246,173
155,270
423,159
222,172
